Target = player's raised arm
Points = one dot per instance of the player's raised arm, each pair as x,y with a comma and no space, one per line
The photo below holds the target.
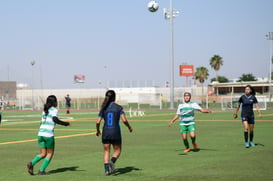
60,122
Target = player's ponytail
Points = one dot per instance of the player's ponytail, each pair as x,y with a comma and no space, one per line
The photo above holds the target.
253,92
51,101
110,96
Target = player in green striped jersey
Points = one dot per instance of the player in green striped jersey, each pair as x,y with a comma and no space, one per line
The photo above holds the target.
185,112
46,135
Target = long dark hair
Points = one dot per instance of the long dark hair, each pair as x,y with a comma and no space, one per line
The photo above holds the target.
110,96
253,92
51,101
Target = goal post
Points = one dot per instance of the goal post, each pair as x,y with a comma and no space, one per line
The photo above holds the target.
231,102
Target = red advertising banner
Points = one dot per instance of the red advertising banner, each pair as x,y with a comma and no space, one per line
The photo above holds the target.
186,70
79,78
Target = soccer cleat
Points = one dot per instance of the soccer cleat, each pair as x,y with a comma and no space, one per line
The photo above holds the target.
252,144
187,150
30,168
246,144
112,167
42,173
107,173
195,146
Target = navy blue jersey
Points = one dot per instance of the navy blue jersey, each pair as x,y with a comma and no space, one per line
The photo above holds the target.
247,104
67,101
111,116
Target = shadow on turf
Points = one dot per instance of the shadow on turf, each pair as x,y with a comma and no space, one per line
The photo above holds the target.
259,144
65,169
125,170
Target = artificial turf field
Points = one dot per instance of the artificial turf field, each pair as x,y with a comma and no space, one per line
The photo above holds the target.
153,151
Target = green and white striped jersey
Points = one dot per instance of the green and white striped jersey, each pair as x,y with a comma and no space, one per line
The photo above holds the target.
47,123
186,112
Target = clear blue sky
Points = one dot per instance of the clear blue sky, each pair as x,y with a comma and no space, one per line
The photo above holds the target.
121,40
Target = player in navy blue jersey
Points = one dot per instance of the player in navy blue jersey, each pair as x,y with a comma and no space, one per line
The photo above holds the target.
67,104
111,134
247,101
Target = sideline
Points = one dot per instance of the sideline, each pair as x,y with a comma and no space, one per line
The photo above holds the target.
58,137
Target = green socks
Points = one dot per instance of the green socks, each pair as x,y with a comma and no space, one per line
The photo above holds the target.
193,139
186,143
45,164
36,159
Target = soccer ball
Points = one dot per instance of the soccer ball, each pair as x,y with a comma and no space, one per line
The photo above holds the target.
153,6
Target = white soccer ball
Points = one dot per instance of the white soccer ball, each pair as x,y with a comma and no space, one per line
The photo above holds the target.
153,6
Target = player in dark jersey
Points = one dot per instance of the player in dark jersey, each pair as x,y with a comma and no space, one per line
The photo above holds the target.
247,101
111,134
1,103
67,104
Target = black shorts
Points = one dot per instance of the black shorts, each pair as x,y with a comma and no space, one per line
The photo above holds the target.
249,119
112,141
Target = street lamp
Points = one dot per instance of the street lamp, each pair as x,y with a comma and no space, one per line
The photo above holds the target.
269,37
32,63
170,14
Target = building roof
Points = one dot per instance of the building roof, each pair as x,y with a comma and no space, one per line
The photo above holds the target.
241,84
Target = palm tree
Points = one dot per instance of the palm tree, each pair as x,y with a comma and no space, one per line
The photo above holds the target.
201,74
216,62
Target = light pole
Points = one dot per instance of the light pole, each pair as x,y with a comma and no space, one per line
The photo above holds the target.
269,37
32,63
171,14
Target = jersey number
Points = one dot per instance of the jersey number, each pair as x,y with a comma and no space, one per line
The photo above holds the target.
110,119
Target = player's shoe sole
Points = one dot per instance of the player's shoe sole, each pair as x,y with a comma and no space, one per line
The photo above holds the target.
30,168
187,150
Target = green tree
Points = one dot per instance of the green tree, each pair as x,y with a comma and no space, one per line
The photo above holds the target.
216,62
201,74
221,79
247,77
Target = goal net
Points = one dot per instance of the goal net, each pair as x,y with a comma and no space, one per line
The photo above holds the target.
231,102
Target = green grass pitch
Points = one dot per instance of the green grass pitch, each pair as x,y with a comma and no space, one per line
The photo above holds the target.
153,151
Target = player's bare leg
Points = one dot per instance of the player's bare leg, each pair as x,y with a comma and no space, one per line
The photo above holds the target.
251,135
245,123
47,160
30,165
106,157
115,156
193,139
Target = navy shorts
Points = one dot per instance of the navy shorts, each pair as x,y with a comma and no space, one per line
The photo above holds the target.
249,119
113,141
